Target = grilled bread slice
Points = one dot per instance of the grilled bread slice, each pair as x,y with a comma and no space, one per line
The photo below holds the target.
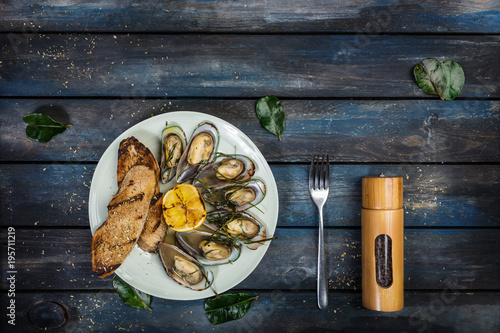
127,212
131,153
155,228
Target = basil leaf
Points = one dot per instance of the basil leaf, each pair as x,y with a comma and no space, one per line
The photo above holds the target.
131,296
227,307
42,128
271,114
445,79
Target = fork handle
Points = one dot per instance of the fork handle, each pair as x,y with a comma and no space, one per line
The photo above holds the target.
322,287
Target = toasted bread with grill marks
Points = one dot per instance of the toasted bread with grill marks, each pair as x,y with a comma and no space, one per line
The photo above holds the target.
132,152
127,211
155,228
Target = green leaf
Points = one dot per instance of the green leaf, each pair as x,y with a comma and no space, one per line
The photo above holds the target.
271,115
42,128
131,296
227,307
445,79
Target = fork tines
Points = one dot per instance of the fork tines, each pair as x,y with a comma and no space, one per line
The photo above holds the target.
319,176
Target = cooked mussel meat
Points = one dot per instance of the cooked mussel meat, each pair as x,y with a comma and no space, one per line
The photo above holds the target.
213,250
241,196
200,151
242,227
187,270
230,168
225,170
173,145
184,269
173,150
208,247
235,197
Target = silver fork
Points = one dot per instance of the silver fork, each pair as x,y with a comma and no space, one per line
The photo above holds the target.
319,183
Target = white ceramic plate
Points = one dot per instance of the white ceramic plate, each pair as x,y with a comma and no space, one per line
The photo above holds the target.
144,270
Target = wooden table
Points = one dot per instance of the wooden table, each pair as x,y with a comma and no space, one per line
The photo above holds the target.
343,71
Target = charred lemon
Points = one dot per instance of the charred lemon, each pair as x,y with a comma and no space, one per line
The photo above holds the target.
184,208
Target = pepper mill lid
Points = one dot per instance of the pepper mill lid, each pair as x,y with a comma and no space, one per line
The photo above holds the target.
382,192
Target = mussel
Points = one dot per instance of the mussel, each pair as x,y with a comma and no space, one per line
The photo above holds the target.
241,196
229,168
236,197
199,152
225,170
187,271
184,269
209,248
241,227
173,144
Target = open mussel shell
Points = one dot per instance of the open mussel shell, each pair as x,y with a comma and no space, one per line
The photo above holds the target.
225,170
209,248
199,152
173,144
241,227
235,197
184,269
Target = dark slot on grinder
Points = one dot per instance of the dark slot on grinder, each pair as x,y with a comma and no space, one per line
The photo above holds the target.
383,260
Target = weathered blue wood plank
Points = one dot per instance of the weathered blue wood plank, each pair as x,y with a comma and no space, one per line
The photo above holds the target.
59,259
238,65
451,309
434,195
431,256
360,131
254,16
44,194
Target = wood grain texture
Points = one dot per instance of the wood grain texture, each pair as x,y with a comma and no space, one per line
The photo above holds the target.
351,131
252,16
45,195
59,259
434,195
382,259
450,310
343,70
238,65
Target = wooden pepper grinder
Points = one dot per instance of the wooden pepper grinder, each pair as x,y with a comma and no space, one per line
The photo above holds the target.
382,243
